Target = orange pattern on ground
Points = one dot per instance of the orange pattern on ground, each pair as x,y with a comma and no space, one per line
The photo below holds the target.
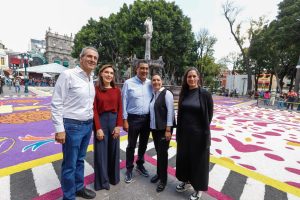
21,101
25,117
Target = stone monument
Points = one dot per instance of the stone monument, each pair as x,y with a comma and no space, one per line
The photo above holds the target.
156,66
148,36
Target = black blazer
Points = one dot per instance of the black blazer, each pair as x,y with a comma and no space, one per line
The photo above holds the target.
207,107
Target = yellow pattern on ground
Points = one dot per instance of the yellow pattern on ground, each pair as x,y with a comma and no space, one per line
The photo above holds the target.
220,161
33,163
257,176
293,144
41,161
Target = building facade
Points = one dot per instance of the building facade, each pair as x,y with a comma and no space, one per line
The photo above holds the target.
37,46
59,48
3,59
238,83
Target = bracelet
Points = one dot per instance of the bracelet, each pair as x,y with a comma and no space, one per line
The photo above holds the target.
168,131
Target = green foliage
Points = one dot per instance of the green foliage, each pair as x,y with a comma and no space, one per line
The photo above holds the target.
120,36
210,70
275,48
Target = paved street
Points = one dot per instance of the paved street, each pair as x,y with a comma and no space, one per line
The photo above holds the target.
254,153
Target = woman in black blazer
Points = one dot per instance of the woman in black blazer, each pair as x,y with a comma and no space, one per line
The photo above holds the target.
195,112
161,123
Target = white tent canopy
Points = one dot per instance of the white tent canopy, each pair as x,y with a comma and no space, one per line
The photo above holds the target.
52,68
47,75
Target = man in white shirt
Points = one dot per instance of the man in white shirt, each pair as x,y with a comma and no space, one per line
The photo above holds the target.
72,115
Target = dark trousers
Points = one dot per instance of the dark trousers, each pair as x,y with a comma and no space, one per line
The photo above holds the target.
290,102
107,154
138,127
161,147
78,134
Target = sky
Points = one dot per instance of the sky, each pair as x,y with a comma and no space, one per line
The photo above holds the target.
21,20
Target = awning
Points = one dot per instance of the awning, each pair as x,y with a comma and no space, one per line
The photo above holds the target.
15,61
52,68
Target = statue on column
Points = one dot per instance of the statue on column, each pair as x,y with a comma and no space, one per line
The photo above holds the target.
148,36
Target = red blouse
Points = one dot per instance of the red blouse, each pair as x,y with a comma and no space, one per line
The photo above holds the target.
107,101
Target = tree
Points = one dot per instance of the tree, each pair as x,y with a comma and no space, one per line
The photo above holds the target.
230,12
275,46
120,36
210,71
205,43
289,22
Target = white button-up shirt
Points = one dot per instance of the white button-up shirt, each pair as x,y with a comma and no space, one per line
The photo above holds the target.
73,97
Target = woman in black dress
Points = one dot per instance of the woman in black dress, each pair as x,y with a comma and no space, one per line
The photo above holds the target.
195,112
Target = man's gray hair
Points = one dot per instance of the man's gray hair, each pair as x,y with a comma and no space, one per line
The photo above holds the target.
83,51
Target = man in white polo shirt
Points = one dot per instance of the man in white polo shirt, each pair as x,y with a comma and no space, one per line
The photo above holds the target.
72,115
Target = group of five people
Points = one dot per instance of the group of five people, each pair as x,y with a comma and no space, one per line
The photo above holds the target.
143,106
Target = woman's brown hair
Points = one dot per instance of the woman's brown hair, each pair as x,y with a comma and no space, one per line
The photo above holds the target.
100,83
185,86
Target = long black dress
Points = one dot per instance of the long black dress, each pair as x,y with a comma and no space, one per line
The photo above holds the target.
192,161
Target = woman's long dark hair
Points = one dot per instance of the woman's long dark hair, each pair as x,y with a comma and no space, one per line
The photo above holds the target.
100,82
185,86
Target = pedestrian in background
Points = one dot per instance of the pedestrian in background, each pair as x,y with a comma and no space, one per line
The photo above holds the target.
267,98
17,85
291,97
72,115
136,97
195,112
9,82
280,100
108,121
1,85
161,125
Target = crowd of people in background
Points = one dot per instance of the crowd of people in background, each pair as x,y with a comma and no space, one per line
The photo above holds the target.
283,100
17,81
41,82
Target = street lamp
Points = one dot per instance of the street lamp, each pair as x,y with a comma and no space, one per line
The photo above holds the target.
25,57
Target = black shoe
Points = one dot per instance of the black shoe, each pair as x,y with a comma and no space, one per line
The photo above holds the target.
141,169
128,177
154,179
160,187
86,193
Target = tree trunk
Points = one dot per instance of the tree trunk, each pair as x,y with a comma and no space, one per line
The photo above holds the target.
279,86
271,82
297,81
256,82
291,84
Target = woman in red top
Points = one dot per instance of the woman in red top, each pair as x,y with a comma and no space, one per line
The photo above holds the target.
291,98
108,120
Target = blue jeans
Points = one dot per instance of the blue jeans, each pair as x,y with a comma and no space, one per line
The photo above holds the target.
78,134
17,88
280,104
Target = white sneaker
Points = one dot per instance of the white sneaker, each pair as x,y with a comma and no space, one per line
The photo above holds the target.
183,187
196,195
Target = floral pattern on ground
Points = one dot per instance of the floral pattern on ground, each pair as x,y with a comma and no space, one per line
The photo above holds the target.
259,139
